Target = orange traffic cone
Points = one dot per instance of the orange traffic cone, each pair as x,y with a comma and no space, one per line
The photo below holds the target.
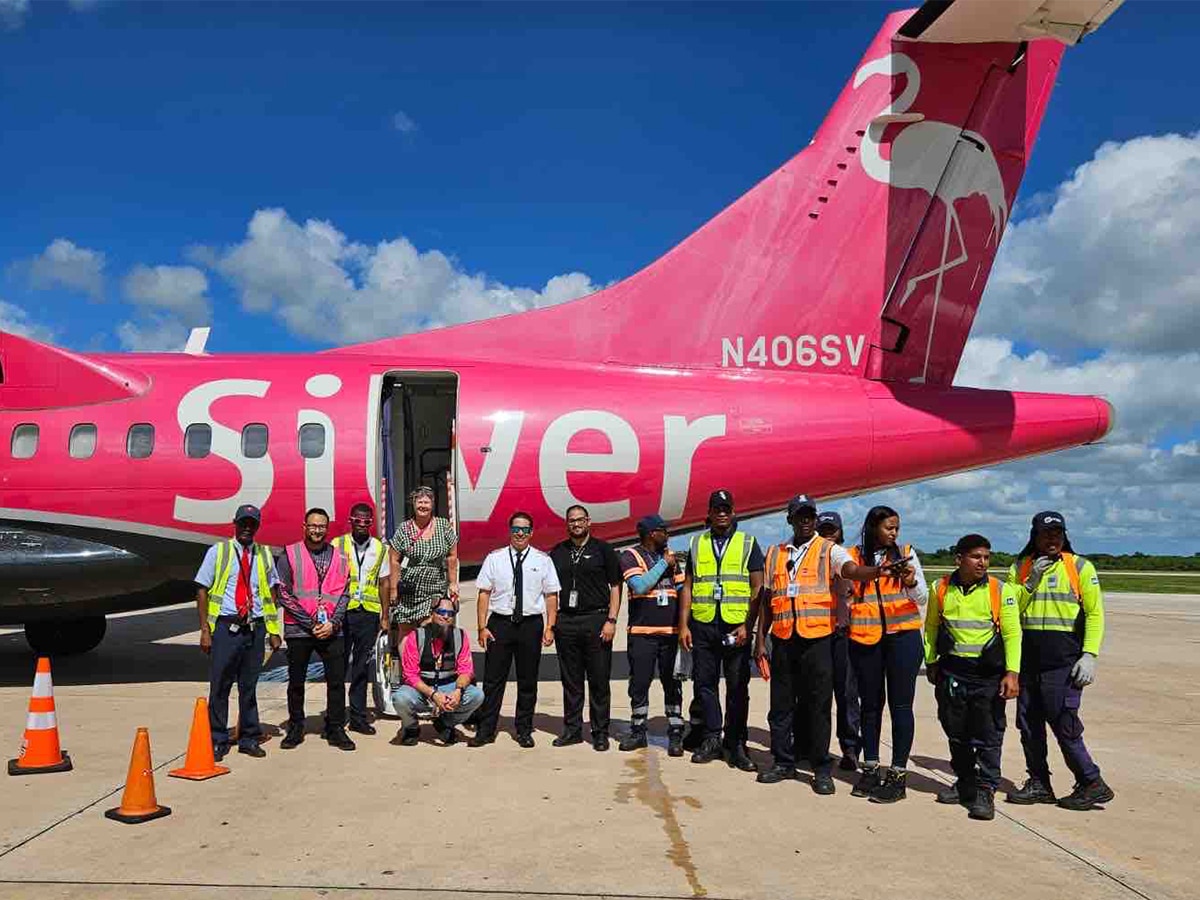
200,762
138,803
40,751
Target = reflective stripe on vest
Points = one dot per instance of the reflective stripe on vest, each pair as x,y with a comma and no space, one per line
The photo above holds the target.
1053,609
224,571
809,610
672,588
972,626
370,589
734,578
308,588
883,601
448,673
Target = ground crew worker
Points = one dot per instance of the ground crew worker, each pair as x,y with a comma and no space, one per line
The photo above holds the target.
1062,627
312,584
654,580
588,603
973,657
366,615
845,686
237,613
725,570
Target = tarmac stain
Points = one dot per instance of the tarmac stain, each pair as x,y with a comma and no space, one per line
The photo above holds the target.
649,789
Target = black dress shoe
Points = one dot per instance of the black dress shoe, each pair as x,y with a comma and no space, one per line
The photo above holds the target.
848,763
566,740
737,758
776,774
481,740
252,750
362,728
220,751
293,738
822,783
337,737
525,740
600,743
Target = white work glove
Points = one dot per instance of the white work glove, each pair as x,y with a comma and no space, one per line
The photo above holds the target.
1041,566
1083,672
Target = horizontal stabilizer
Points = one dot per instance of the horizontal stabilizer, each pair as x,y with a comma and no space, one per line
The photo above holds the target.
1009,21
38,376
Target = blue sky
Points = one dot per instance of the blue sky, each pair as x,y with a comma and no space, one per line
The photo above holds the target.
502,146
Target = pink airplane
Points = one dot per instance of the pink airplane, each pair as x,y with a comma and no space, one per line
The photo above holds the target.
805,339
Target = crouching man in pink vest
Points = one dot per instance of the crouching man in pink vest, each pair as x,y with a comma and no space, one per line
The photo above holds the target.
312,584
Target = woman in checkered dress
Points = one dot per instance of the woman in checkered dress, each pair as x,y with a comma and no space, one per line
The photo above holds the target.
429,546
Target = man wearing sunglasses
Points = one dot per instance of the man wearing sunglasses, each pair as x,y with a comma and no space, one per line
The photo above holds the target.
366,613
438,677
517,608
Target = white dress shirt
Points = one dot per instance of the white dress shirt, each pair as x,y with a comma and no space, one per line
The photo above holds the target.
538,578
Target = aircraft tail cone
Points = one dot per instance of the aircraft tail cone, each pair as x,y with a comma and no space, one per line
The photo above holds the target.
200,763
40,750
138,803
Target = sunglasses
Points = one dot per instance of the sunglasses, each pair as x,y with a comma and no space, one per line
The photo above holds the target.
360,521
442,611
520,529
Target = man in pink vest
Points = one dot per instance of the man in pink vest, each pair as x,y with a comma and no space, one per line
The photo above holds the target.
312,584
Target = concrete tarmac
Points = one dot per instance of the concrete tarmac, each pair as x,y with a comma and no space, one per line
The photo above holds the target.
504,822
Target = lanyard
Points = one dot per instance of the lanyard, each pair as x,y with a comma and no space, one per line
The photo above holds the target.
360,557
576,558
724,546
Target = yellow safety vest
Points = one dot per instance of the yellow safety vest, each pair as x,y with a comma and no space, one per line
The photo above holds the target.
970,621
733,577
226,551
369,598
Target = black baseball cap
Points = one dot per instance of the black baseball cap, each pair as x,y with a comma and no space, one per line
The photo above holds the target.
647,524
720,498
830,518
799,502
1048,519
247,511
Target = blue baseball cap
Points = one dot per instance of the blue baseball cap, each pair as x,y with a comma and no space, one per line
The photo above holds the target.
247,511
830,518
1048,519
799,502
647,524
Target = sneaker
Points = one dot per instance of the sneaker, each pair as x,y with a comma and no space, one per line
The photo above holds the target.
293,738
709,750
952,795
1088,796
822,783
600,743
776,774
219,752
362,727
892,788
252,750
635,740
736,758
984,806
675,742
337,737
868,781
694,738
848,762
1034,790
566,740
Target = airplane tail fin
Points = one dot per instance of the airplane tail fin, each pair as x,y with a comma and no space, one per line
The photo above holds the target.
865,254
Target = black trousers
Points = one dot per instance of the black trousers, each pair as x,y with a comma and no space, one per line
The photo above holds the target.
522,642
710,656
581,653
235,657
359,634
845,695
333,655
801,685
649,653
972,715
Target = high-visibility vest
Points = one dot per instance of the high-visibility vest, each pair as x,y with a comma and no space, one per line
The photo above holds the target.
802,600
881,605
368,597
668,591
1053,605
443,669
969,623
734,578
310,590
224,571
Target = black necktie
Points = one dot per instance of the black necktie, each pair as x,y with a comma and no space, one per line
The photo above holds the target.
518,588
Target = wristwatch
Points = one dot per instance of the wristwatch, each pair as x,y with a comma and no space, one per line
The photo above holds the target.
611,621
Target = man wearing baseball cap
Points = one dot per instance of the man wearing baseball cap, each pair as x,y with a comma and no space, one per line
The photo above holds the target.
845,685
1062,625
237,617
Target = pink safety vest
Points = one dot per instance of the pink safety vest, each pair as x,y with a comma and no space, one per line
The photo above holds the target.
309,589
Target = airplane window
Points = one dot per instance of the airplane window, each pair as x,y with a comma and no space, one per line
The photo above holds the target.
139,444
197,441
83,441
254,441
312,440
24,441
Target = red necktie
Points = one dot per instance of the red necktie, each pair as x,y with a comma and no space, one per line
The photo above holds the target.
242,598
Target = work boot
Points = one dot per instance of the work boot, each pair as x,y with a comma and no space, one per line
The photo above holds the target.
708,751
737,758
337,737
694,738
868,782
410,736
1034,790
776,774
822,783
1088,796
446,733
984,807
252,750
293,738
600,743
635,740
952,795
675,742
892,788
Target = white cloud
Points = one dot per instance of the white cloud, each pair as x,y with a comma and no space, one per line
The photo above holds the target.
403,122
13,14
15,320
152,333
326,287
178,289
64,265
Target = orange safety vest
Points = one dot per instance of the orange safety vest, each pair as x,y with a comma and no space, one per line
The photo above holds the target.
802,600
670,592
1068,563
886,606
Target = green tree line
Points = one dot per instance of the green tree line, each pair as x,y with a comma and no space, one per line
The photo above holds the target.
1124,562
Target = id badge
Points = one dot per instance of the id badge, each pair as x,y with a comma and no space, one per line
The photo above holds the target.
793,590
718,591
234,627
663,598
573,599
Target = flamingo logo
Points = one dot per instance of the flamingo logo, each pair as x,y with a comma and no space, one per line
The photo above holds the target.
918,161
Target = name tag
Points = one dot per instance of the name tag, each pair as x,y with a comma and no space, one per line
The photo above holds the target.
793,590
573,599
718,591
664,599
